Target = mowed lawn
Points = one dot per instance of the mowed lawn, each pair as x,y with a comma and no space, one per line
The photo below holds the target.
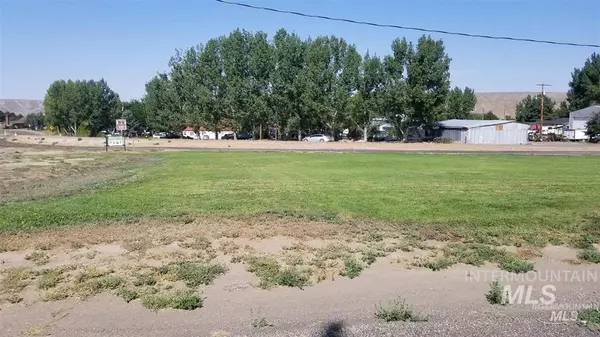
511,191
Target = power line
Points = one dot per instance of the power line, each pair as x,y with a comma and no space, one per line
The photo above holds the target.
479,36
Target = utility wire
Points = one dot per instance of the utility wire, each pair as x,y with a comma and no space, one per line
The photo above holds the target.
479,36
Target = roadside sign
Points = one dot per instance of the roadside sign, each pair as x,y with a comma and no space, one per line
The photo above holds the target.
115,141
121,124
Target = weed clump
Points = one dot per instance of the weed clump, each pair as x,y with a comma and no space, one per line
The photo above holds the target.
397,310
39,258
590,318
128,294
514,265
193,274
591,254
270,273
352,268
182,300
496,295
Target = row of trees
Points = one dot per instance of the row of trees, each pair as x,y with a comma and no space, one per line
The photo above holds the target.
245,81
584,91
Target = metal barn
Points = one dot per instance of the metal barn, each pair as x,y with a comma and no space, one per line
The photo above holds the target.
484,131
578,119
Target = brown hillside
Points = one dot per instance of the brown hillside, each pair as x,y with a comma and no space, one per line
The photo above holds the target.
504,103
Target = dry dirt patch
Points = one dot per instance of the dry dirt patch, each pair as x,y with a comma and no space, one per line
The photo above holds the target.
170,264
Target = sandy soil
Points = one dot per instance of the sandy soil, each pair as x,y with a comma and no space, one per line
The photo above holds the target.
143,143
452,300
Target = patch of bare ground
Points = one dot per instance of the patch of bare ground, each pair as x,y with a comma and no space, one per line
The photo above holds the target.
27,174
168,264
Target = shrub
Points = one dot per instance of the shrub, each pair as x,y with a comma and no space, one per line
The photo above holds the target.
396,310
39,258
127,294
439,264
49,280
496,294
196,274
291,277
514,265
592,255
590,318
352,268
182,300
585,241
441,140
270,273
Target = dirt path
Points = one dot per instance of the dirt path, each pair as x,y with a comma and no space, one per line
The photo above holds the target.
174,144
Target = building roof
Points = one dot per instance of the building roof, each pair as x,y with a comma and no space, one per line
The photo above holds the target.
469,123
558,121
587,112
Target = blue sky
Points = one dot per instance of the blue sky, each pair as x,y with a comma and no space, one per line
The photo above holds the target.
128,41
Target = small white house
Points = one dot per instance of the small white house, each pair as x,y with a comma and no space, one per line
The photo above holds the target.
578,122
484,131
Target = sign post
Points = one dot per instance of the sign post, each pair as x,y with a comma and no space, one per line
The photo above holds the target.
120,125
115,141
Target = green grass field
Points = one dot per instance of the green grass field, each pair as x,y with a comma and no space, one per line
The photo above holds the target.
499,194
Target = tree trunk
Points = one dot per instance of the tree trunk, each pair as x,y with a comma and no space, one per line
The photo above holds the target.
260,131
333,135
216,132
365,133
299,134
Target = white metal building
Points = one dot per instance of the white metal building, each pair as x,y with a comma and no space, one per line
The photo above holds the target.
578,122
484,131
578,119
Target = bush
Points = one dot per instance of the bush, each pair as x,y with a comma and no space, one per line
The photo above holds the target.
396,310
270,273
127,294
496,294
590,318
514,265
352,268
196,274
182,300
441,140
592,255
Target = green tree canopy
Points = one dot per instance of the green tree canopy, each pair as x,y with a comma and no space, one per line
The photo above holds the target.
243,81
460,103
529,109
593,126
88,105
584,87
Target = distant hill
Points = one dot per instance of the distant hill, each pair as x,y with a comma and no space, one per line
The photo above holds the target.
21,106
505,103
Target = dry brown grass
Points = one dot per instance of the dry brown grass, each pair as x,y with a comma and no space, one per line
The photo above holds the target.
15,280
167,231
39,258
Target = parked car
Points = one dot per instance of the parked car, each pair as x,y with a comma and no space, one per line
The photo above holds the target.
159,135
318,138
239,135
171,135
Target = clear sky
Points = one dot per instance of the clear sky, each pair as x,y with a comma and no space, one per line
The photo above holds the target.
127,41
